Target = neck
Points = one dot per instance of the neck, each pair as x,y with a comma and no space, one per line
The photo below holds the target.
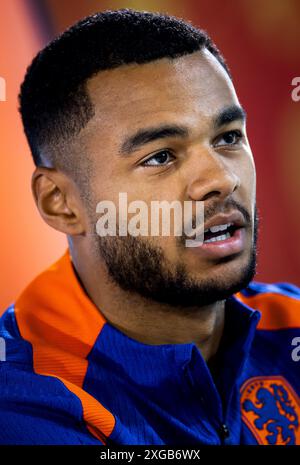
150,322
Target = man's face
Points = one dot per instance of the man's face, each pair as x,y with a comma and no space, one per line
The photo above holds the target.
202,156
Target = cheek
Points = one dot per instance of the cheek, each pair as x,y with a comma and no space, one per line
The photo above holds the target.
246,171
251,182
248,186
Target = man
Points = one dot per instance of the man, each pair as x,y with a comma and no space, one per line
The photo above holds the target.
139,339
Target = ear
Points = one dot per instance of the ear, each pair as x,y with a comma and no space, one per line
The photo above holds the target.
58,201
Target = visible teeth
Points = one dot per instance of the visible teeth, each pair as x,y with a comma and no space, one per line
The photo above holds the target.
220,227
223,237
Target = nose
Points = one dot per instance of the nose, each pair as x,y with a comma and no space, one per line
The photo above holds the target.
211,176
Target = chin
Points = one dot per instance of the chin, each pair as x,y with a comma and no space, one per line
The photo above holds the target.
228,272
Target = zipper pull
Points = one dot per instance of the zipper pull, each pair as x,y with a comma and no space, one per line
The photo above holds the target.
224,432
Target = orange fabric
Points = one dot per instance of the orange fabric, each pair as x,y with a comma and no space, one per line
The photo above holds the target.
278,311
62,324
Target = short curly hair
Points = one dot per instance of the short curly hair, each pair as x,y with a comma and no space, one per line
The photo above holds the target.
54,102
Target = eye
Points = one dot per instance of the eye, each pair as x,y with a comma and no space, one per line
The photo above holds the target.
162,158
229,138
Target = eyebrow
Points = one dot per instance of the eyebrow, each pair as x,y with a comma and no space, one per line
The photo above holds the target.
147,135
229,115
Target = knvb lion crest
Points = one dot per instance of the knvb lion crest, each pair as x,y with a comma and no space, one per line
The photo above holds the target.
271,410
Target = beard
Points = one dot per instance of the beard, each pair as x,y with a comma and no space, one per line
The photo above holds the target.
139,266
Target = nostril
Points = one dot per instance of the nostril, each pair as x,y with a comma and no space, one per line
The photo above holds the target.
210,194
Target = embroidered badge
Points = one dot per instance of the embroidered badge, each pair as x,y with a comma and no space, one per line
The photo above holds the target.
271,410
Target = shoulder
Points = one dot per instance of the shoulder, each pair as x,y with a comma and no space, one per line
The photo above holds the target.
34,408
37,409
278,303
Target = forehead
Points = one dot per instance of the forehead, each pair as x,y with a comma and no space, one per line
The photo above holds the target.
186,88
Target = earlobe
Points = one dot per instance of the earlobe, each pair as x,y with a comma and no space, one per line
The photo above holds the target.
56,200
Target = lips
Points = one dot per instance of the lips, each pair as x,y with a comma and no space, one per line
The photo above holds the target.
235,219
224,235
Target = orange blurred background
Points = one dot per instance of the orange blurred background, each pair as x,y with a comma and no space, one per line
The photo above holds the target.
261,41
